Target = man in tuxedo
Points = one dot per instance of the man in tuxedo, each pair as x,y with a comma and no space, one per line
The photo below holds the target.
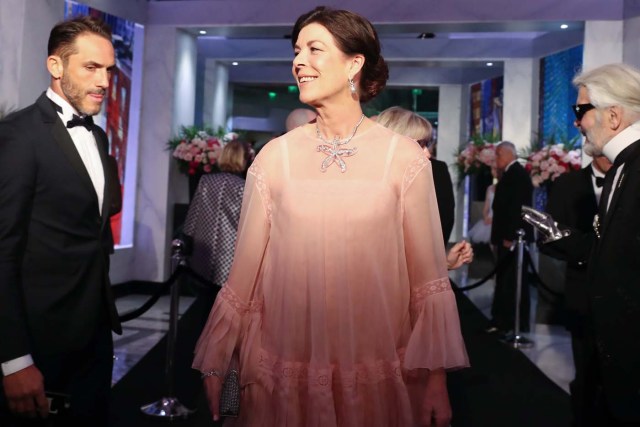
573,202
608,115
512,192
56,307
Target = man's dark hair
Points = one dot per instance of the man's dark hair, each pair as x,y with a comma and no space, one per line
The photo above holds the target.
63,35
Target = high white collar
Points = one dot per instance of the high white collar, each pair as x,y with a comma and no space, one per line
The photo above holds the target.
621,141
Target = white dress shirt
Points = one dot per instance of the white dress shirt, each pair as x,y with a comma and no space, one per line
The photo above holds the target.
615,147
595,173
85,143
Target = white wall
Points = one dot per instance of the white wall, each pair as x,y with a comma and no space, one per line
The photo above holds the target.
24,31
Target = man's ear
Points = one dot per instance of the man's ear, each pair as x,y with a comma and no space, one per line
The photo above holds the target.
55,67
614,114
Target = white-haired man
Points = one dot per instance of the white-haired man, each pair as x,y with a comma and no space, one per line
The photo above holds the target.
573,201
513,191
608,115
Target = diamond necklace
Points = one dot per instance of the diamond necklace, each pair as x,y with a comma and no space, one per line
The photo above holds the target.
333,149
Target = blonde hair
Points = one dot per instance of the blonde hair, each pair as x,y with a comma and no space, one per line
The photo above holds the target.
406,123
233,158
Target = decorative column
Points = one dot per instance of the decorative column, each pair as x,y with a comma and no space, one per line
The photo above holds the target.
184,105
521,101
216,103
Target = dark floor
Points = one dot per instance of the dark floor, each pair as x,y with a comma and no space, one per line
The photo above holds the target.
502,388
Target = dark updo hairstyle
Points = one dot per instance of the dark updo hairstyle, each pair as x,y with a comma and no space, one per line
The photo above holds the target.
353,34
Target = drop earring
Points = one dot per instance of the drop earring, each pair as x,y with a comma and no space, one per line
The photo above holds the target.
352,86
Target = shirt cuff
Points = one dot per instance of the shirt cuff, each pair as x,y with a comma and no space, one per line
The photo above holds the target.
15,365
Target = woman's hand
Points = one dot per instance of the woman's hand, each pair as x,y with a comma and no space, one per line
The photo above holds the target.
212,388
436,409
460,253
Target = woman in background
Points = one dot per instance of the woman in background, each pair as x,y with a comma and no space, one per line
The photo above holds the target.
214,213
338,307
481,230
419,129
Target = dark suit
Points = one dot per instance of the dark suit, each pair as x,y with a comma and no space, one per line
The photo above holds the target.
115,198
444,195
512,192
613,265
55,297
572,202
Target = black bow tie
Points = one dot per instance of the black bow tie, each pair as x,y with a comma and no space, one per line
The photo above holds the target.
86,121
599,181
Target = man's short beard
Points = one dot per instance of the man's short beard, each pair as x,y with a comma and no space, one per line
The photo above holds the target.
590,149
74,95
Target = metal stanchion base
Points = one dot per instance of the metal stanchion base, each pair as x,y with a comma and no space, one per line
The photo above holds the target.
167,407
519,341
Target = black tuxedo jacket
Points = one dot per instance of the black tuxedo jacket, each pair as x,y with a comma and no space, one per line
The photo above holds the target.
614,290
572,202
54,243
444,195
614,287
512,191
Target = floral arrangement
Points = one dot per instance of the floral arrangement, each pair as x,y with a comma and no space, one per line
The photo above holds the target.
551,161
478,156
197,150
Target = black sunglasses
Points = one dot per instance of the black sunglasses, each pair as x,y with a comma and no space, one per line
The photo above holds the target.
581,109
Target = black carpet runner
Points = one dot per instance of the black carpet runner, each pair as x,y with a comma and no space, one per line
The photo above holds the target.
501,389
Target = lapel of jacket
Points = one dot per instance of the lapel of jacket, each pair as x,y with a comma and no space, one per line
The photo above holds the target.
620,185
587,173
103,144
65,143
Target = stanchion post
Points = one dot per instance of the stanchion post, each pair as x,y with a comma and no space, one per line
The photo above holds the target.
169,407
519,341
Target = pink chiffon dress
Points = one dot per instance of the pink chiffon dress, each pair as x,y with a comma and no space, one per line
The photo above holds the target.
338,301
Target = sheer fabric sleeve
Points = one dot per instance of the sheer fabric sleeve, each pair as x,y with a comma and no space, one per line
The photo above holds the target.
436,340
238,305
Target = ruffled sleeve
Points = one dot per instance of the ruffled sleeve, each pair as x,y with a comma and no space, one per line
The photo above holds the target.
435,340
237,308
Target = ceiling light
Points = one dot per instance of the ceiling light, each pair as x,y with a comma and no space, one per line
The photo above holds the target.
489,64
564,26
202,32
234,63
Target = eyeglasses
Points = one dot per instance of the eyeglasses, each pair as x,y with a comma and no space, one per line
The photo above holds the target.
581,109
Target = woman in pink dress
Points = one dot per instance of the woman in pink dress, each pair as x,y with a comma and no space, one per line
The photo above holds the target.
338,308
